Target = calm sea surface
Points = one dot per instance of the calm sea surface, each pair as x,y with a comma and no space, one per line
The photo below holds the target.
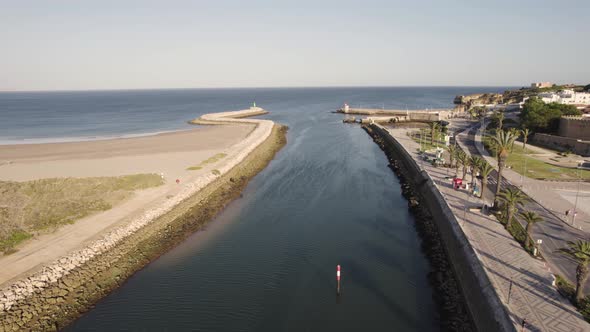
267,262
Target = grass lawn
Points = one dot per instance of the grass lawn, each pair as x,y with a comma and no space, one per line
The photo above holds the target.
535,168
425,142
32,206
210,160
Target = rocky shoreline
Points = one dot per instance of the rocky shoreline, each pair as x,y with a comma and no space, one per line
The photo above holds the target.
63,291
451,305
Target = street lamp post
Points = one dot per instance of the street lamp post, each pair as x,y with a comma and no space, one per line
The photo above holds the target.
421,156
436,138
509,290
576,202
421,134
524,171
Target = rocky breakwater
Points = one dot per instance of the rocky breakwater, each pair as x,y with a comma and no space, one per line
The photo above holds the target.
61,290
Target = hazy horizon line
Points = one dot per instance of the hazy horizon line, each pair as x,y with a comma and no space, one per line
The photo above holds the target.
271,87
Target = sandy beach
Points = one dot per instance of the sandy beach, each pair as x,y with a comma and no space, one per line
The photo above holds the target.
169,154
226,156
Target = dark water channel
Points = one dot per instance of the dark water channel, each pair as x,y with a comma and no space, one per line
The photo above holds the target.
267,263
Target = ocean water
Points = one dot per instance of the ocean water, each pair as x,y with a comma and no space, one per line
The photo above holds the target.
36,117
267,262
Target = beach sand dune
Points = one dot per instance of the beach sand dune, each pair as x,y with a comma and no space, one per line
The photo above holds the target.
168,153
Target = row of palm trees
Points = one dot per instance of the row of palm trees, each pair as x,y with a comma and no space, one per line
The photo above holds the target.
473,164
436,127
512,198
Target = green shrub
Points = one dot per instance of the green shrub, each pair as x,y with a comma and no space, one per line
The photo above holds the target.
568,290
7,244
544,118
517,231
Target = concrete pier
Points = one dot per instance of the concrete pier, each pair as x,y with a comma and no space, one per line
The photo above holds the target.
392,115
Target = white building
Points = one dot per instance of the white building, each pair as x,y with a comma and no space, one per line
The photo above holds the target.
540,85
569,97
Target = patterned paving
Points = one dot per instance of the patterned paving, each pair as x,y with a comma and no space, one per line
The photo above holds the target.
522,282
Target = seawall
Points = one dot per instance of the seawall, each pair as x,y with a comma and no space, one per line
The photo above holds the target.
403,115
62,290
480,297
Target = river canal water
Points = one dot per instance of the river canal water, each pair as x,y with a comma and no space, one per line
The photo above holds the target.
268,261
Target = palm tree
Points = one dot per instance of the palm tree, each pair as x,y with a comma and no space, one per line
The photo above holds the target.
500,118
512,198
578,251
503,142
452,152
525,135
485,170
463,158
460,157
475,162
433,127
531,219
516,133
466,161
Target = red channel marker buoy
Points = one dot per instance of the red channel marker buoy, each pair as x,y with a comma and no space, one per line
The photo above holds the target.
338,278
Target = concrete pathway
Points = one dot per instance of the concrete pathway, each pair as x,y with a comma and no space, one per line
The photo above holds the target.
522,282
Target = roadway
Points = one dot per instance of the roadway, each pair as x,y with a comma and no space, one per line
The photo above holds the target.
552,231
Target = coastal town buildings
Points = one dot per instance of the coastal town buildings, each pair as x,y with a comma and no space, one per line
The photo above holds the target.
540,85
568,97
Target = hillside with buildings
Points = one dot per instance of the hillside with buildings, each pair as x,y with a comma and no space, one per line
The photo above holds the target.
570,94
558,115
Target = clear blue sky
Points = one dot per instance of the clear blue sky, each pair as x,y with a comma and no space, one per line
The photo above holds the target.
63,45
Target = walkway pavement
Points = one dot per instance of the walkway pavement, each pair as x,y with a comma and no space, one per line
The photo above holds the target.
522,283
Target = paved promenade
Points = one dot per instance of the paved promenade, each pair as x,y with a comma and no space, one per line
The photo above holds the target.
522,282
